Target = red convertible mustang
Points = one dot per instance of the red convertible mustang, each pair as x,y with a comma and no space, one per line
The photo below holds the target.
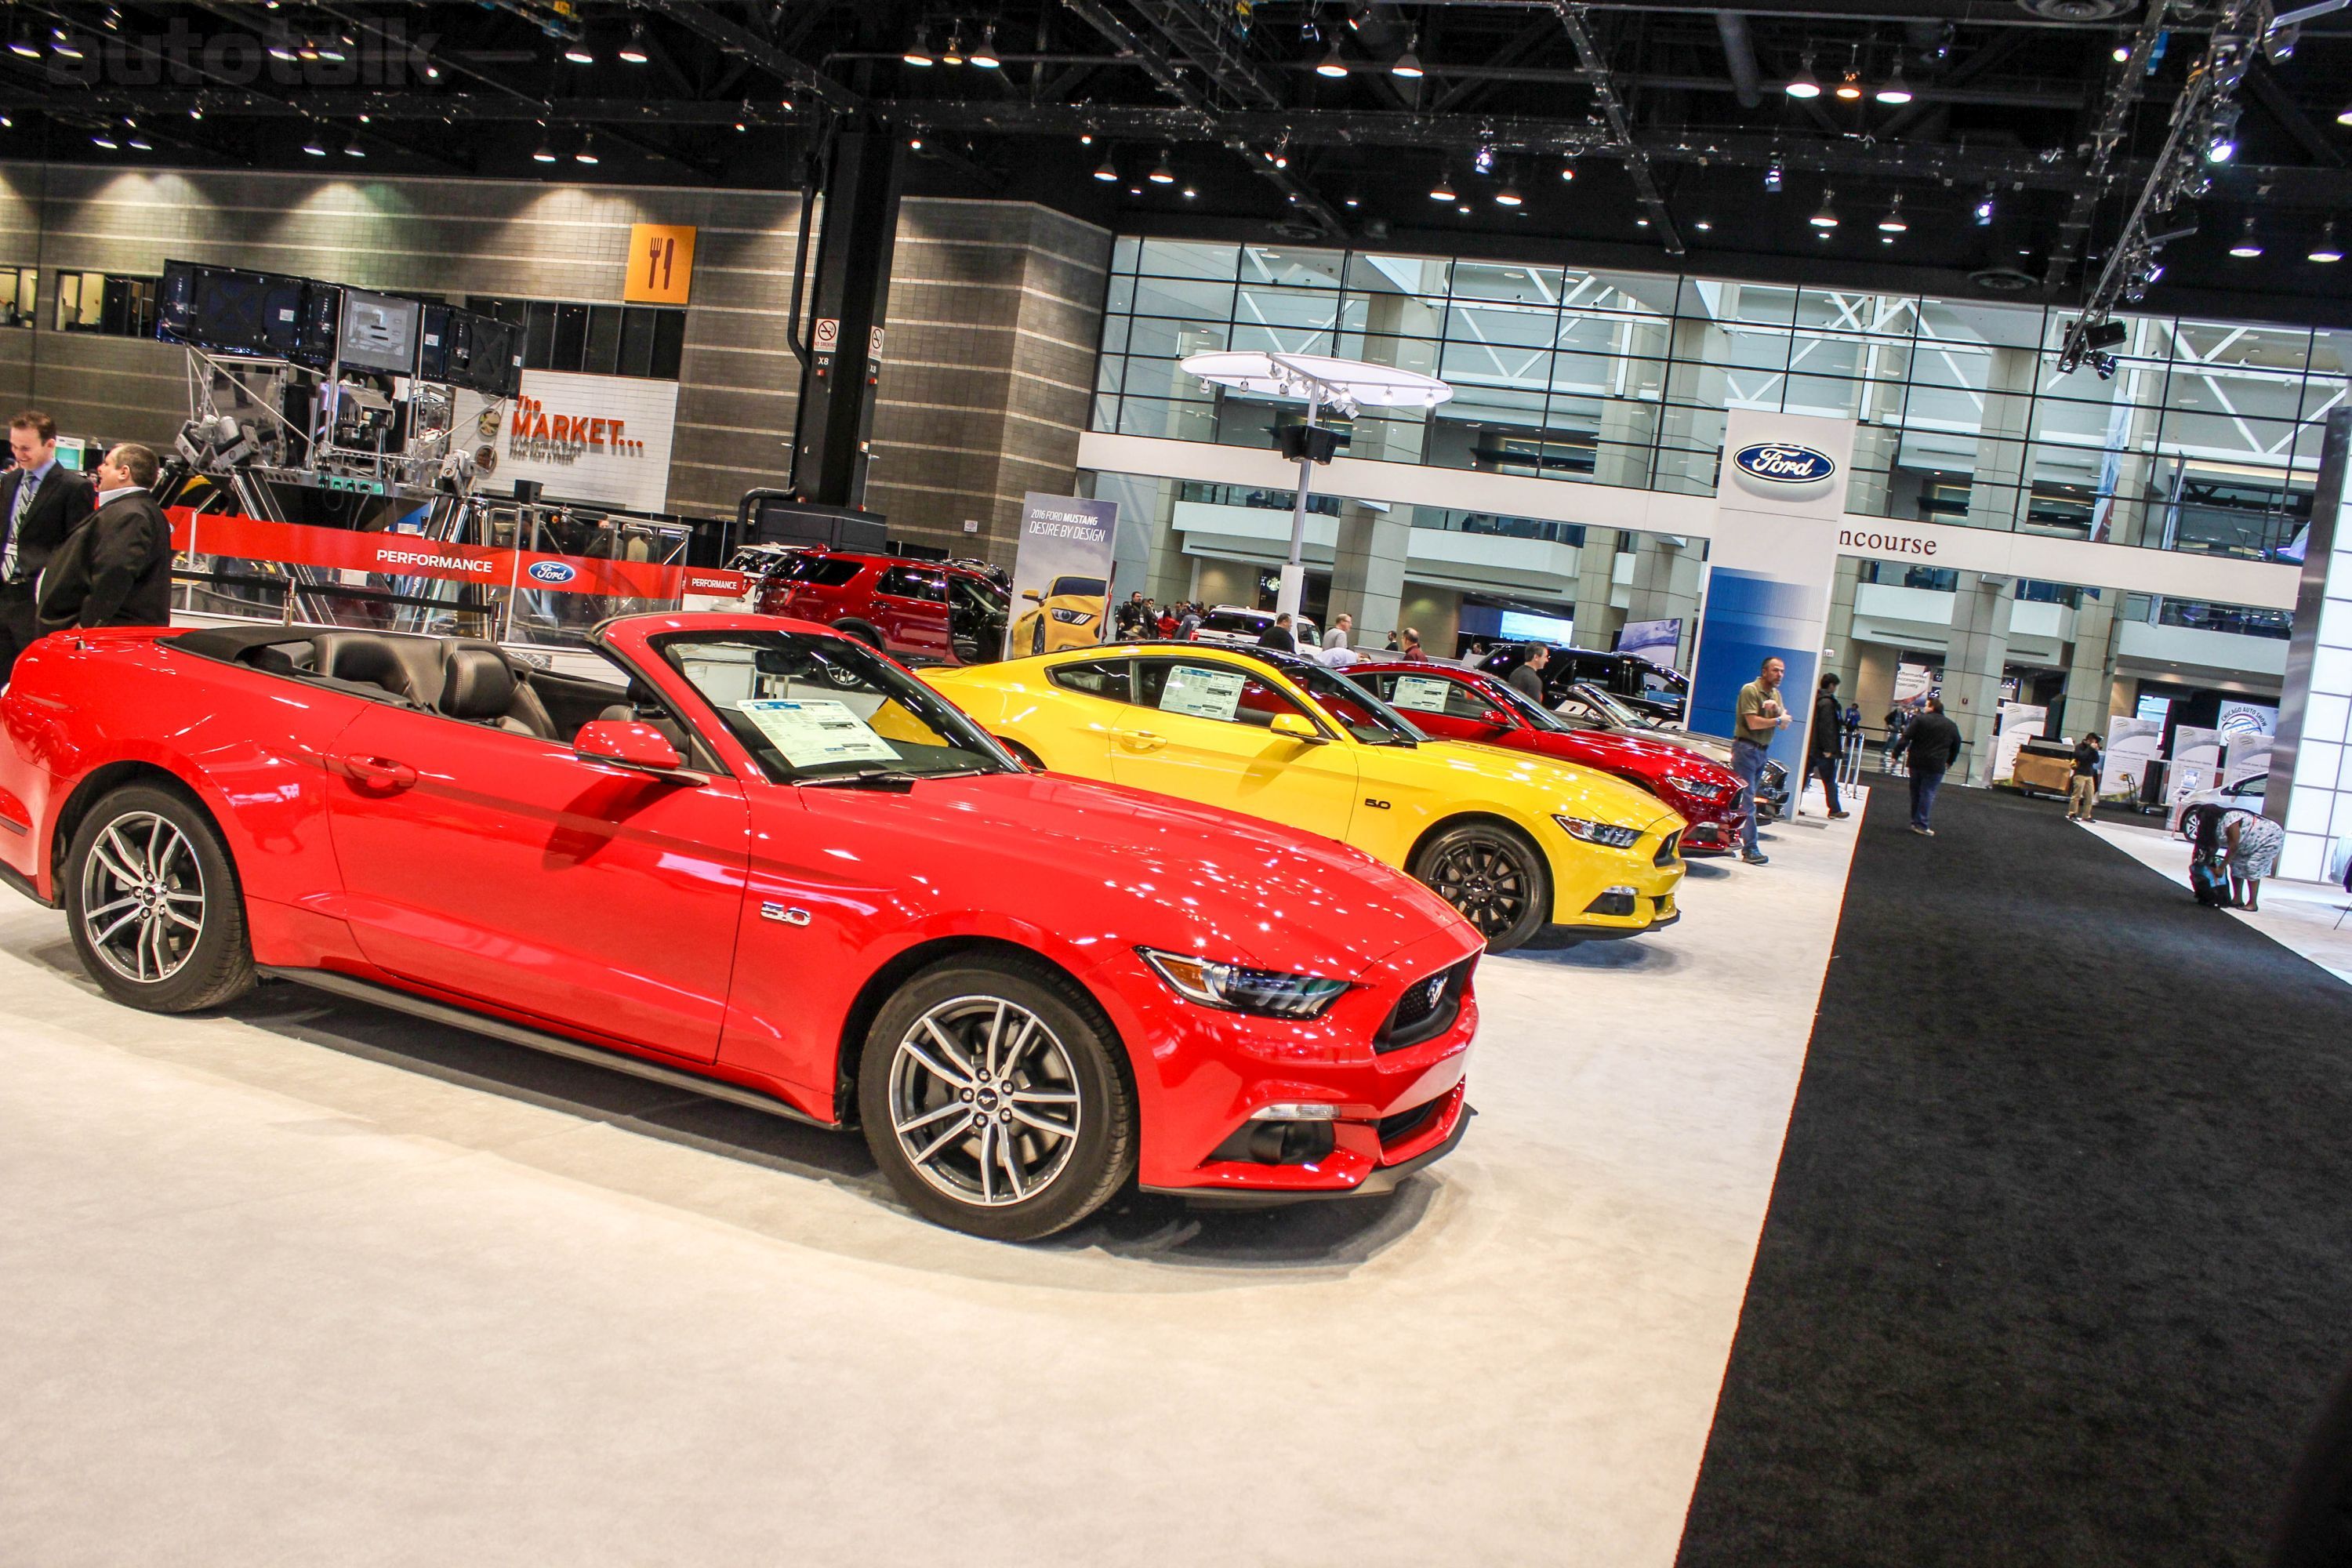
763,860
1468,705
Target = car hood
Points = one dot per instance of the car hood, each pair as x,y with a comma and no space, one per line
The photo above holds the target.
1097,863
1556,786
1650,752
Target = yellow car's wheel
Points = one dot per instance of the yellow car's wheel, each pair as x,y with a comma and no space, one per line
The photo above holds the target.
1491,873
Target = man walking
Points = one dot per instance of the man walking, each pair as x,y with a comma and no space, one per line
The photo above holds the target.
1757,717
1279,636
1930,745
2084,796
40,502
1526,676
115,569
1341,625
1822,752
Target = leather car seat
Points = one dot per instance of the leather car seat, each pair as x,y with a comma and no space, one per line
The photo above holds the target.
403,665
479,685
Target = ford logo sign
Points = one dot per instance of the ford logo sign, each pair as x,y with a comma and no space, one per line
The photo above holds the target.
1783,463
552,571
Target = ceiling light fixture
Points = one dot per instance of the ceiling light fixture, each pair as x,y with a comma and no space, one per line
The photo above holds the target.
352,149
1162,174
1850,89
1894,89
1568,169
1509,197
587,153
634,51
2120,53
915,143
2221,146
1332,65
1701,226
105,139
1444,189
1191,195
2326,250
953,54
1773,175
1827,219
1483,160
2247,247
579,53
1803,84
281,51
544,154
62,42
1982,212
316,146
1892,223
985,57
1106,171
19,44
332,52
918,53
1408,64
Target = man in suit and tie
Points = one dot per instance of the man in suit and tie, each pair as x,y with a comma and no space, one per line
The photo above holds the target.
115,569
40,502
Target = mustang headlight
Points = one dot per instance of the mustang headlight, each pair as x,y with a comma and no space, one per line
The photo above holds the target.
1608,835
1700,788
1073,617
1238,989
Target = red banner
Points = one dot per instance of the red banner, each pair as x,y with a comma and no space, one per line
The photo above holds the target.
408,555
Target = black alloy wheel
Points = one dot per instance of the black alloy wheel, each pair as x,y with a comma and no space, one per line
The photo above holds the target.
993,1098
152,901
1494,877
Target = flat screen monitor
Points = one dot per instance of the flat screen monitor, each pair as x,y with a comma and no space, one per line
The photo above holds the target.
432,344
379,333
228,311
495,365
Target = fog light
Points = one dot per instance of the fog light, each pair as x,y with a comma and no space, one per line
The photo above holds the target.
1615,901
1260,1142
1295,1111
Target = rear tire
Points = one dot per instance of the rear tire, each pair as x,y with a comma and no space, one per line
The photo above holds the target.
1494,875
153,900
993,1099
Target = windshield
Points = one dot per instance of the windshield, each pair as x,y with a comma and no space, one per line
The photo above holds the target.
1345,703
1617,712
1535,713
809,708
977,596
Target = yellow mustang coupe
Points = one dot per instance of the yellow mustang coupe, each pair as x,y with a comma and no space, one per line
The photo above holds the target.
1069,614
1515,842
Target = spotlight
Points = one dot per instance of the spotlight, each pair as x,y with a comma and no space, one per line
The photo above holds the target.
1773,175
1895,90
1803,85
316,146
282,51
1162,174
544,154
1444,189
1191,195
1892,223
953,54
1408,64
740,127
1484,160
915,143
2105,364
352,149
332,52
195,112
2247,247
1106,171
1332,65
2326,250
2155,271
634,51
1351,201
1086,138
2222,144
587,153
984,57
1982,212
1568,169
105,139
1827,219
918,53
579,53
25,47
1850,89
1509,197
63,43
2121,53
2344,116
1703,226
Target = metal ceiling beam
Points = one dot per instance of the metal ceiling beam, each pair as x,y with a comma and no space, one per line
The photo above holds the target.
1199,35
2292,116
712,28
2123,92
1204,119
1637,162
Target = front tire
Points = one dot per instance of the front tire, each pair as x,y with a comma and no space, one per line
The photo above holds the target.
152,901
1494,875
992,1099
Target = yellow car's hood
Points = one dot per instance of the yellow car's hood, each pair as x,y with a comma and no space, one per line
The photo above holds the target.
1543,787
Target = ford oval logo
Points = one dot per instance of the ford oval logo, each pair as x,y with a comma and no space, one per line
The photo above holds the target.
554,572
1784,463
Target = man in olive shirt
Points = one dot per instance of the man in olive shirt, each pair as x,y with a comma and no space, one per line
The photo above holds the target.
1756,719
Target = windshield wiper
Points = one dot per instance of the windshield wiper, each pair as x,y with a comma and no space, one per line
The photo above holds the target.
896,779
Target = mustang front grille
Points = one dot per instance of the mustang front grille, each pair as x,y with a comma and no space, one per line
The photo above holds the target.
1427,1009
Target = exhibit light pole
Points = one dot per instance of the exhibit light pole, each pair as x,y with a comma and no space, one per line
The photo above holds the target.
1344,385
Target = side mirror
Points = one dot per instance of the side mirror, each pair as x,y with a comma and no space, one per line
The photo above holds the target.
1032,595
1295,727
625,743
1495,719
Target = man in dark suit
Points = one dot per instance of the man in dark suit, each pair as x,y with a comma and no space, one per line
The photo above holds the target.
1933,744
40,502
115,569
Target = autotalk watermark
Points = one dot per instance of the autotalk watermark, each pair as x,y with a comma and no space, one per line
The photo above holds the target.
381,56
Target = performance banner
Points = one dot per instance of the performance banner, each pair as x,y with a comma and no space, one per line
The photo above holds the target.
1061,578
410,555
1778,498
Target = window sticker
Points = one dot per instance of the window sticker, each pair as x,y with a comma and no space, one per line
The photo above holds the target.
1422,693
814,732
1202,693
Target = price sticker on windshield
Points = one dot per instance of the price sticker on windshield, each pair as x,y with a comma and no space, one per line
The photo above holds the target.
814,732
1422,693
1202,693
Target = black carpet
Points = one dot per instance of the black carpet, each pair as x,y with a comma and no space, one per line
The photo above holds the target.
2058,1264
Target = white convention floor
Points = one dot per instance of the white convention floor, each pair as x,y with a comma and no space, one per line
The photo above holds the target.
2308,918
311,1283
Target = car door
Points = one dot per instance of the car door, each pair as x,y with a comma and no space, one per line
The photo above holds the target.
911,610
1074,733
1442,705
1200,730
508,870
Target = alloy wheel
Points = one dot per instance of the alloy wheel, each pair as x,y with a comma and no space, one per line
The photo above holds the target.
984,1101
1485,881
142,898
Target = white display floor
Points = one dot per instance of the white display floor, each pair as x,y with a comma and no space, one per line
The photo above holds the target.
2308,918
312,1283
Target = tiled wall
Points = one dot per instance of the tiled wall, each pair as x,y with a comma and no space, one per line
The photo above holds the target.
993,316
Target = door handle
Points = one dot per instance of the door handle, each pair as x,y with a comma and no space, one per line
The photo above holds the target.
380,772
1140,740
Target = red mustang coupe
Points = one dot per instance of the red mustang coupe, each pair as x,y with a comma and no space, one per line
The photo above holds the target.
760,859
1466,705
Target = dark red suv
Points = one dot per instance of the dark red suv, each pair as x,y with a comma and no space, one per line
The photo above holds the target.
923,607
